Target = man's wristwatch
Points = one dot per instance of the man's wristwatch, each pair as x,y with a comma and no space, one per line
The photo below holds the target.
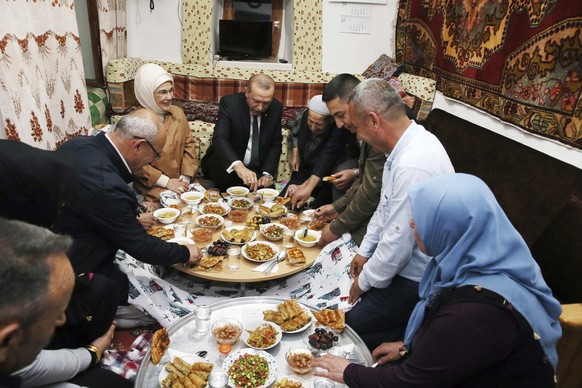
356,171
95,354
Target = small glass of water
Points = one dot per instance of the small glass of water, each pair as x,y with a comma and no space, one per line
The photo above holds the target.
217,379
233,258
213,195
181,229
288,238
202,315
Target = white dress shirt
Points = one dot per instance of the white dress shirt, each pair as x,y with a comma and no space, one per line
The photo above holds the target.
389,242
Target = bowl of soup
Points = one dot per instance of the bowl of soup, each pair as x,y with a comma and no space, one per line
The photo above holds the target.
237,191
268,195
192,197
166,215
307,239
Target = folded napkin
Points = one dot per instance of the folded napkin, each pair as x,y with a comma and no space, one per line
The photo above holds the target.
197,187
264,266
168,197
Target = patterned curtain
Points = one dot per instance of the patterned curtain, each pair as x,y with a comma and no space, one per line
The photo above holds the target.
43,97
112,30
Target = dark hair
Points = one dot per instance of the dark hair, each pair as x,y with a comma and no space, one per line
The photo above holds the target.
24,269
340,86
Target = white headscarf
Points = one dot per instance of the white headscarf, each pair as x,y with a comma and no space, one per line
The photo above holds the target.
148,78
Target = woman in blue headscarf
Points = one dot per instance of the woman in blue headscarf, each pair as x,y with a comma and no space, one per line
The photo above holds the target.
486,316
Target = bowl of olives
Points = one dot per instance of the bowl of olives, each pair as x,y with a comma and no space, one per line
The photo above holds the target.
320,340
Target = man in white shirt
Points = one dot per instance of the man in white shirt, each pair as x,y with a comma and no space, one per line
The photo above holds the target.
388,265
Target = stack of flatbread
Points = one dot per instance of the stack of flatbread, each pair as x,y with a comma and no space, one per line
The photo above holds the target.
335,319
161,232
295,256
183,375
239,236
289,316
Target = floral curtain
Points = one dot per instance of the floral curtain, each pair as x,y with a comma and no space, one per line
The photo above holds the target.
112,30
43,97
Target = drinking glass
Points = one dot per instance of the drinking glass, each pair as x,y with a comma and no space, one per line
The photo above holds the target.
288,238
217,379
202,315
322,382
181,229
233,258
213,195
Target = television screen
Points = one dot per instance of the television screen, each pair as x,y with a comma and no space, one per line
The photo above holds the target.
244,39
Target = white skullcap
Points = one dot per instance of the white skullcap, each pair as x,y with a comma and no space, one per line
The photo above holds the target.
317,105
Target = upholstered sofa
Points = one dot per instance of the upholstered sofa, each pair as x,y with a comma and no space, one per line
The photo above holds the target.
542,197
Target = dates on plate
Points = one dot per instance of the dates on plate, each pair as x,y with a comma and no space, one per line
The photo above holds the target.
218,248
322,339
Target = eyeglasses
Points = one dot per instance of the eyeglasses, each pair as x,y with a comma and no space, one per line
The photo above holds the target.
156,153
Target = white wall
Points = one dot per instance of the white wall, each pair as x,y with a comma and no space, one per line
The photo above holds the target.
157,35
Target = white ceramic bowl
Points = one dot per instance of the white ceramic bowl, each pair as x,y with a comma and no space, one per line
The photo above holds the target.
166,215
272,227
269,195
252,326
182,241
299,359
226,330
204,221
237,191
192,197
308,244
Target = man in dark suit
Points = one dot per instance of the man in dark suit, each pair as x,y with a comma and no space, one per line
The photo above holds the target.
100,210
246,145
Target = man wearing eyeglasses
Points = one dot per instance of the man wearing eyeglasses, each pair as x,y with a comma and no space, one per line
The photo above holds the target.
100,208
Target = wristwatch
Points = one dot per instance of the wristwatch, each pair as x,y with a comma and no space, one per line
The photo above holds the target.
356,171
95,354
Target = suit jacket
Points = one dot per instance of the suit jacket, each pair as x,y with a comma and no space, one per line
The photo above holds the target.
32,182
232,133
100,214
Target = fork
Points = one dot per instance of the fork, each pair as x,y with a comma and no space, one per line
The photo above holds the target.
282,255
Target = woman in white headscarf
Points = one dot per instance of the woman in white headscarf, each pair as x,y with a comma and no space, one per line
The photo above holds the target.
177,165
486,317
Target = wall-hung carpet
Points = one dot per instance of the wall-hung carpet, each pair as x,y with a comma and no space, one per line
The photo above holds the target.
518,60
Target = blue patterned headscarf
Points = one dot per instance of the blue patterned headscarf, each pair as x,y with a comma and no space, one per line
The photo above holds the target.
472,242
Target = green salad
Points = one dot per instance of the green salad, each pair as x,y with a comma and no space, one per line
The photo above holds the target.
249,370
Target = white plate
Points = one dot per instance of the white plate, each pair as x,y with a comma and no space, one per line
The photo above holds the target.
253,237
248,200
269,205
273,246
224,206
308,325
263,227
251,326
231,358
321,351
190,359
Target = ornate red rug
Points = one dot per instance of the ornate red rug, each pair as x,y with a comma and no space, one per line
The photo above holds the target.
518,60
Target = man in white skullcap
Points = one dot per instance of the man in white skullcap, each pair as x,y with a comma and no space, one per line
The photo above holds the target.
316,146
